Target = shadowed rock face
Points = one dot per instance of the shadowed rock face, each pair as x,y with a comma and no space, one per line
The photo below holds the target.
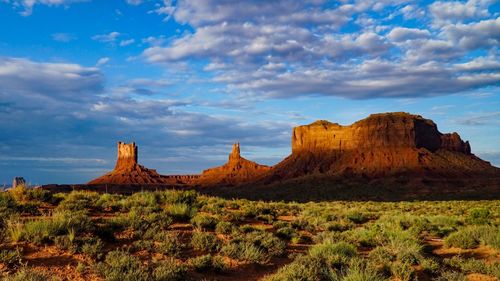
237,170
380,145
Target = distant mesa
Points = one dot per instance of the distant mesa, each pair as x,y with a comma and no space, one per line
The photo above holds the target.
380,146
237,170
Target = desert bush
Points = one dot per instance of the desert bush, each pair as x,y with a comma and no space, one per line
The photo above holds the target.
19,193
304,268
465,238
180,211
357,217
10,257
452,276
64,242
403,271
336,254
169,270
301,238
188,197
471,265
93,249
478,216
203,241
8,205
109,201
78,200
147,201
245,251
490,235
286,232
38,194
121,266
359,270
224,227
170,243
204,222
28,274
201,263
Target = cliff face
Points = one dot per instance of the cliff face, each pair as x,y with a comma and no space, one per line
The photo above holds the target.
128,171
379,145
237,170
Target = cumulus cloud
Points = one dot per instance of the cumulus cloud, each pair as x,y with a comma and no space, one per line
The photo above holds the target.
289,49
459,11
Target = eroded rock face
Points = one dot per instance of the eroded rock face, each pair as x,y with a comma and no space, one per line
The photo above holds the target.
379,145
237,170
128,171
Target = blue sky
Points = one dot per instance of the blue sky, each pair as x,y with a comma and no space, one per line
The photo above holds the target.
186,79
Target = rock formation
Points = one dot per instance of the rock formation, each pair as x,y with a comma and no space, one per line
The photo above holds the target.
380,145
237,170
128,171
18,181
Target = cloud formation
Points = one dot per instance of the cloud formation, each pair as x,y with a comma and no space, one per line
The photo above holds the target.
352,49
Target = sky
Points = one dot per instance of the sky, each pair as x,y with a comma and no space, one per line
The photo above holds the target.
185,79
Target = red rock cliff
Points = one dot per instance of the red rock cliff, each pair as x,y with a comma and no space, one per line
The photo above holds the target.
381,144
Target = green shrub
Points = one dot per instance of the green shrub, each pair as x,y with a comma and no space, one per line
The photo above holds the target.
201,263
170,243
28,274
180,211
304,268
188,197
78,200
360,271
452,276
93,249
463,238
286,232
245,251
479,216
224,227
10,257
357,217
204,222
169,270
121,266
403,271
334,254
203,241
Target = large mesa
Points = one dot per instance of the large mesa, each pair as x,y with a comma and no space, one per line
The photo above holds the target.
380,145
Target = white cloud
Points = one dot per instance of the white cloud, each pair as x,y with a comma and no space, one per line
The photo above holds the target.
102,61
28,5
402,34
107,38
127,42
63,37
458,11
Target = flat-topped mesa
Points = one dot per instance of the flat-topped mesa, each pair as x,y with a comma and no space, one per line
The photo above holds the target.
377,146
237,170
378,131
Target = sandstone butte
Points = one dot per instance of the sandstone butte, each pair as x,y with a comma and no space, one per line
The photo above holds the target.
382,145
